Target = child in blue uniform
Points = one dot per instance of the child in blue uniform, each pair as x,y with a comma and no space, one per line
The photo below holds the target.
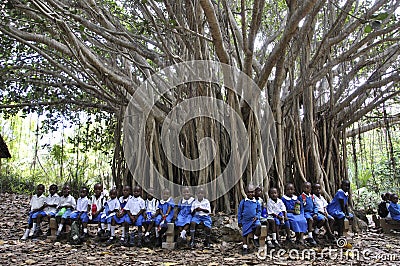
81,212
249,213
201,210
36,213
394,207
135,208
165,214
111,207
122,217
310,212
338,207
321,204
294,215
183,213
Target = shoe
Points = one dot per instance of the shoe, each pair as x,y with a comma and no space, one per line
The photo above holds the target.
256,242
26,235
48,233
245,251
84,236
191,244
38,232
288,241
58,236
147,239
270,245
111,240
139,242
158,242
311,241
100,233
276,243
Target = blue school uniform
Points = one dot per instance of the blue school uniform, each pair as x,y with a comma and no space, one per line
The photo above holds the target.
125,217
164,205
297,222
310,208
394,210
201,216
81,210
334,207
247,211
184,212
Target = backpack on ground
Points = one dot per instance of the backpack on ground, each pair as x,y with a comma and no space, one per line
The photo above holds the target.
74,237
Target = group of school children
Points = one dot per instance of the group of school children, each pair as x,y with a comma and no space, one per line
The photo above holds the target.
129,210
302,214
389,207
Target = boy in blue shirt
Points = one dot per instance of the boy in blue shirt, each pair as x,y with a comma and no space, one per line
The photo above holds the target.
249,213
338,207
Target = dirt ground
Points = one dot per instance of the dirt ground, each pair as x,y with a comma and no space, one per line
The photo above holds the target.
368,248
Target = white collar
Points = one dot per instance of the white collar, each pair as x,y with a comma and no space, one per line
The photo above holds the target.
164,201
294,197
188,201
253,200
346,193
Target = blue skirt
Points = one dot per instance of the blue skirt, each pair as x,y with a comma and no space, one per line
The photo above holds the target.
297,223
183,220
249,226
123,219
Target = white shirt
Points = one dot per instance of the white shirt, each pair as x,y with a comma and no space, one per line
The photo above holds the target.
275,207
151,205
82,204
67,201
51,200
37,202
135,205
204,204
113,204
122,200
99,202
321,203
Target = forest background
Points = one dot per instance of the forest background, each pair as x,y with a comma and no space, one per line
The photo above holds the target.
329,70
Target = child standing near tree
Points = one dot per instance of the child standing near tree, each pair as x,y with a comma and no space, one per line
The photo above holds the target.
65,207
36,213
82,210
201,210
276,216
165,214
249,213
294,215
183,213
338,207
135,208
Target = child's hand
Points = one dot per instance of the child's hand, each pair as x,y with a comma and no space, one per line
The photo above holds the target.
197,209
240,225
254,219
